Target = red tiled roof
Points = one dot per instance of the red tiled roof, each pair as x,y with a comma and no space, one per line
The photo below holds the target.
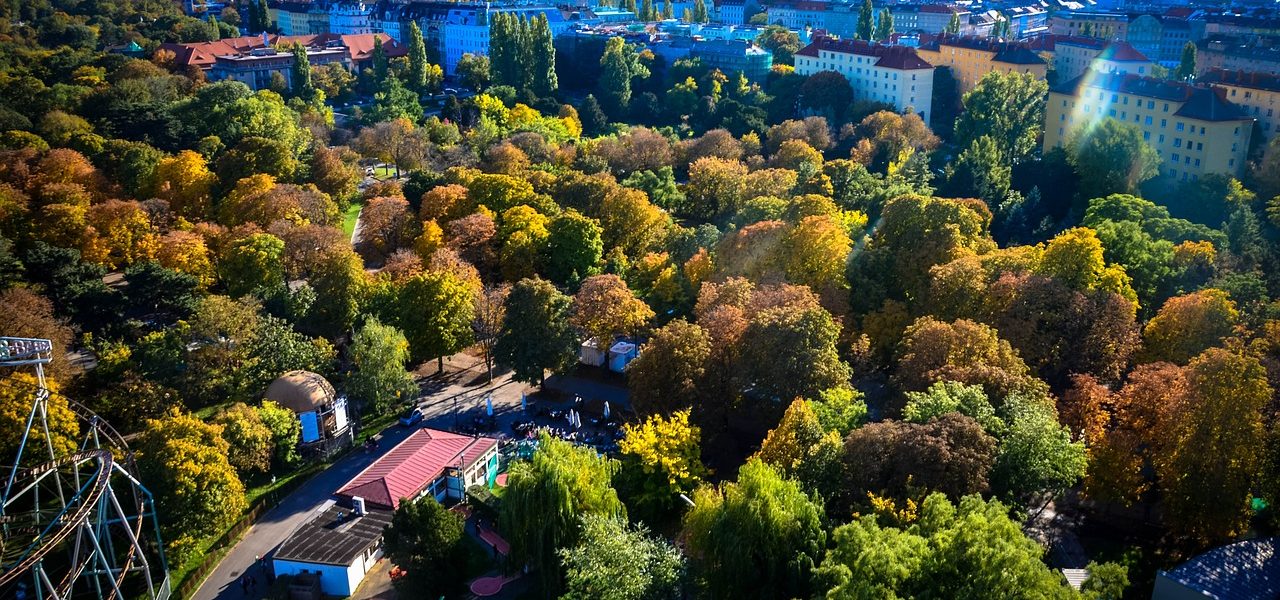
204,54
892,57
1122,52
411,466
1250,79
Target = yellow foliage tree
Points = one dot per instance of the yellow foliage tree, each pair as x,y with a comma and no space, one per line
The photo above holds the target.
186,182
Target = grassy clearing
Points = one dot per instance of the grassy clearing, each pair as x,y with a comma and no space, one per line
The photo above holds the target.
349,218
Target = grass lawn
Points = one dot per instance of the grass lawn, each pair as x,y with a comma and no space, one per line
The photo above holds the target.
349,218
384,172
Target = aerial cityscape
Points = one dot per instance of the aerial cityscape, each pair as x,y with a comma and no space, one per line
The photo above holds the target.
639,299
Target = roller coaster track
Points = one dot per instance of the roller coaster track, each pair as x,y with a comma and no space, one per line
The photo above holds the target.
76,525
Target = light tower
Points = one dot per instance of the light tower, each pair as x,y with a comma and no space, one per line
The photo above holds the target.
73,523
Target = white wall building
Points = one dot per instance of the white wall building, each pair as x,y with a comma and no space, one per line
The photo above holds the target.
894,75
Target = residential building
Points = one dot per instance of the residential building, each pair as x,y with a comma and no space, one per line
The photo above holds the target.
925,18
895,75
1121,57
1073,55
1026,21
1245,569
1257,93
466,29
798,14
358,49
347,18
731,12
1248,27
1194,128
342,543
734,56
1236,54
1105,25
970,58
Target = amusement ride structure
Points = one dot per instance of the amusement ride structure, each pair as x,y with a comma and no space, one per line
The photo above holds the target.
74,522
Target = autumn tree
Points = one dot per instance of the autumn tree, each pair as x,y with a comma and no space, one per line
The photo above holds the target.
1187,325
886,137
250,443
965,352
789,353
17,399
604,307
379,380
799,447
665,376
253,265
536,333
951,454
661,459
185,181
184,461
490,312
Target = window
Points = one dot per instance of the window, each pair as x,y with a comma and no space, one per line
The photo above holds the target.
1151,104
1231,163
1178,126
1175,158
1197,162
1162,138
1146,135
1199,146
1177,142
1164,122
1148,120
1166,107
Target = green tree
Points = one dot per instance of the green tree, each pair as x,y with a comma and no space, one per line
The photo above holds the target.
250,441
543,49
614,561
379,380
183,461
380,63
253,265
1037,454
1112,158
285,431
647,12
1187,63
949,396
573,247
301,74
782,42
427,541
980,172
473,71
884,27
967,551
536,333
757,537
953,25
435,310
419,77
619,65
802,449
700,14
546,498
1009,107
866,20
394,101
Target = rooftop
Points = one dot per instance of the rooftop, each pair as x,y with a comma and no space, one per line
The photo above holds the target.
1248,569
413,464
892,57
334,537
1198,101
1250,79
1006,52
1122,52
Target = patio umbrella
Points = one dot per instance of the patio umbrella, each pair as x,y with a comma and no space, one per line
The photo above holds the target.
606,409
488,401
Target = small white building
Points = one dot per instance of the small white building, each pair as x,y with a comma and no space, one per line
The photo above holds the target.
591,354
340,545
620,355
894,75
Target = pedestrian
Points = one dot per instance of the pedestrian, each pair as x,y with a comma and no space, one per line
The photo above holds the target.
253,583
244,584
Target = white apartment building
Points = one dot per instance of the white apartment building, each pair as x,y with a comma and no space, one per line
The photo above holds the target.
894,75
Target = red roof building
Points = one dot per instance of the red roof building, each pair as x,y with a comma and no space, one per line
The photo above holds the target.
359,47
428,461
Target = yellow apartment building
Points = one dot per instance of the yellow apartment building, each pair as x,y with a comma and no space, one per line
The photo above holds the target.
1257,93
970,58
1194,128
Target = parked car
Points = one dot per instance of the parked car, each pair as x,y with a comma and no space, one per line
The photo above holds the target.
411,417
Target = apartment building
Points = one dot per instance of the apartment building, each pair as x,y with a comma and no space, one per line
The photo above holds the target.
970,58
1257,93
895,75
1105,25
1237,54
925,18
1194,128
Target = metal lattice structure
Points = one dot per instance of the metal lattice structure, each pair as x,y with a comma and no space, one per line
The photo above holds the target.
74,523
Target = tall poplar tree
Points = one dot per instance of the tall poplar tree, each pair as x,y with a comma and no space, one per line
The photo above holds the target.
379,62
700,14
884,28
646,11
301,73
866,17
545,82
1187,65
417,76
953,26
668,11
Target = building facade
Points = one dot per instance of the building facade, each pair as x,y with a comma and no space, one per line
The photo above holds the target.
1236,54
1194,129
734,56
925,18
1257,93
1108,26
895,75
971,58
